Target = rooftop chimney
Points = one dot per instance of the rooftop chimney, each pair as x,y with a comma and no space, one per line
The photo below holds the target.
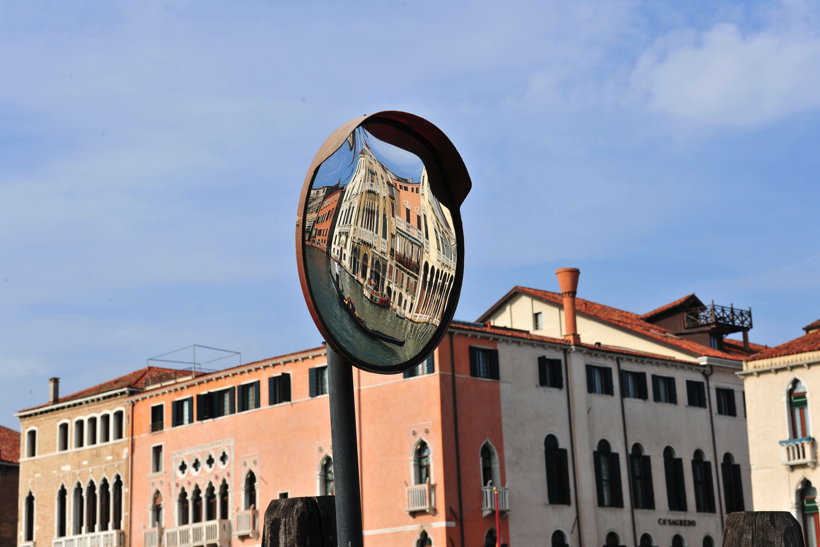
53,390
568,282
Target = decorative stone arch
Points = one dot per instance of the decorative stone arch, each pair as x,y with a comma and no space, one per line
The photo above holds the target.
325,476
417,463
423,539
61,511
798,421
32,438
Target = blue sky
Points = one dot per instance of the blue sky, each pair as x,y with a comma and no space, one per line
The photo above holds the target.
152,154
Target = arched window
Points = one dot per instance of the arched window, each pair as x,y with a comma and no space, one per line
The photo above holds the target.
708,541
31,443
182,508
62,437
116,517
28,522
223,500
489,465
424,540
91,507
798,411
555,459
327,485
92,431
645,541
196,505
156,510
607,476
78,504
559,539
62,511
210,502
702,480
612,540
640,473
677,541
105,428
732,484
807,496
105,505
490,538
675,486
421,463
250,491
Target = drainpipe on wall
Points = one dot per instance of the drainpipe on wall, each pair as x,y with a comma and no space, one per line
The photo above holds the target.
572,447
626,458
707,372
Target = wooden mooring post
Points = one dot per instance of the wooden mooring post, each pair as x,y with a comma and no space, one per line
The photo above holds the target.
300,522
762,529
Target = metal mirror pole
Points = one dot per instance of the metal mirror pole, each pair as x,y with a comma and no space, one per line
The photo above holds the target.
345,451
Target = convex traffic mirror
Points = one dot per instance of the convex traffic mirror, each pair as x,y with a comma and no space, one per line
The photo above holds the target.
380,245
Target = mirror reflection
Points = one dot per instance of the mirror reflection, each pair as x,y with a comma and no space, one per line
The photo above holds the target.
379,251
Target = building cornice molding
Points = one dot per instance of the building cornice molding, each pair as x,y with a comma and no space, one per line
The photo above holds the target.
782,362
75,402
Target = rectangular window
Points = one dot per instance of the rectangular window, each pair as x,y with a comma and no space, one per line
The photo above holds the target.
215,404
182,412
599,380
663,389
695,393
248,396
79,433
157,417
725,401
279,389
62,437
156,458
549,372
425,367
119,425
484,363
317,377
633,384
537,321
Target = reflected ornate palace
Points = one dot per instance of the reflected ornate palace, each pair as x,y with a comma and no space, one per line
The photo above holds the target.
389,247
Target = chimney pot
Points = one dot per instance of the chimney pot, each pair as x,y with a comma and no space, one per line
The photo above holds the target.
53,390
568,283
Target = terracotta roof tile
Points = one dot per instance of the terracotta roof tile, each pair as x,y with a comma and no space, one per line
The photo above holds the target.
9,445
735,347
806,343
670,305
812,326
138,379
623,319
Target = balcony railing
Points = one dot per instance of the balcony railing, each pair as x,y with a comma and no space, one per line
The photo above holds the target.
247,523
421,497
28,544
488,499
109,538
153,537
201,533
718,315
801,451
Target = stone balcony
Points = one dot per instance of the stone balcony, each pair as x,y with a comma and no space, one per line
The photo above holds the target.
109,538
488,499
247,523
212,532
798,452
421,498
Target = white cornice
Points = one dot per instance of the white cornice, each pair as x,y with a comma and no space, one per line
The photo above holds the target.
75,402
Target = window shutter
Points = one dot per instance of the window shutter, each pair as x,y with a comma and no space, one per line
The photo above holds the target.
201,406
656,388
642,392
231,400
615,470
623,383
680,486
409,373
494,365
709,487
285,388
608,388
473,364
175,413
256,394
271,393
691,390
430,364
552,475
737,487
730,393
312,380
673,391
557,375
590,379
599,480
563,473
646,467
542,371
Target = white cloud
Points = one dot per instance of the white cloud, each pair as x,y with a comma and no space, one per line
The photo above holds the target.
727,77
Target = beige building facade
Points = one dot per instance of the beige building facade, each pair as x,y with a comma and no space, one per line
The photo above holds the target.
783,382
